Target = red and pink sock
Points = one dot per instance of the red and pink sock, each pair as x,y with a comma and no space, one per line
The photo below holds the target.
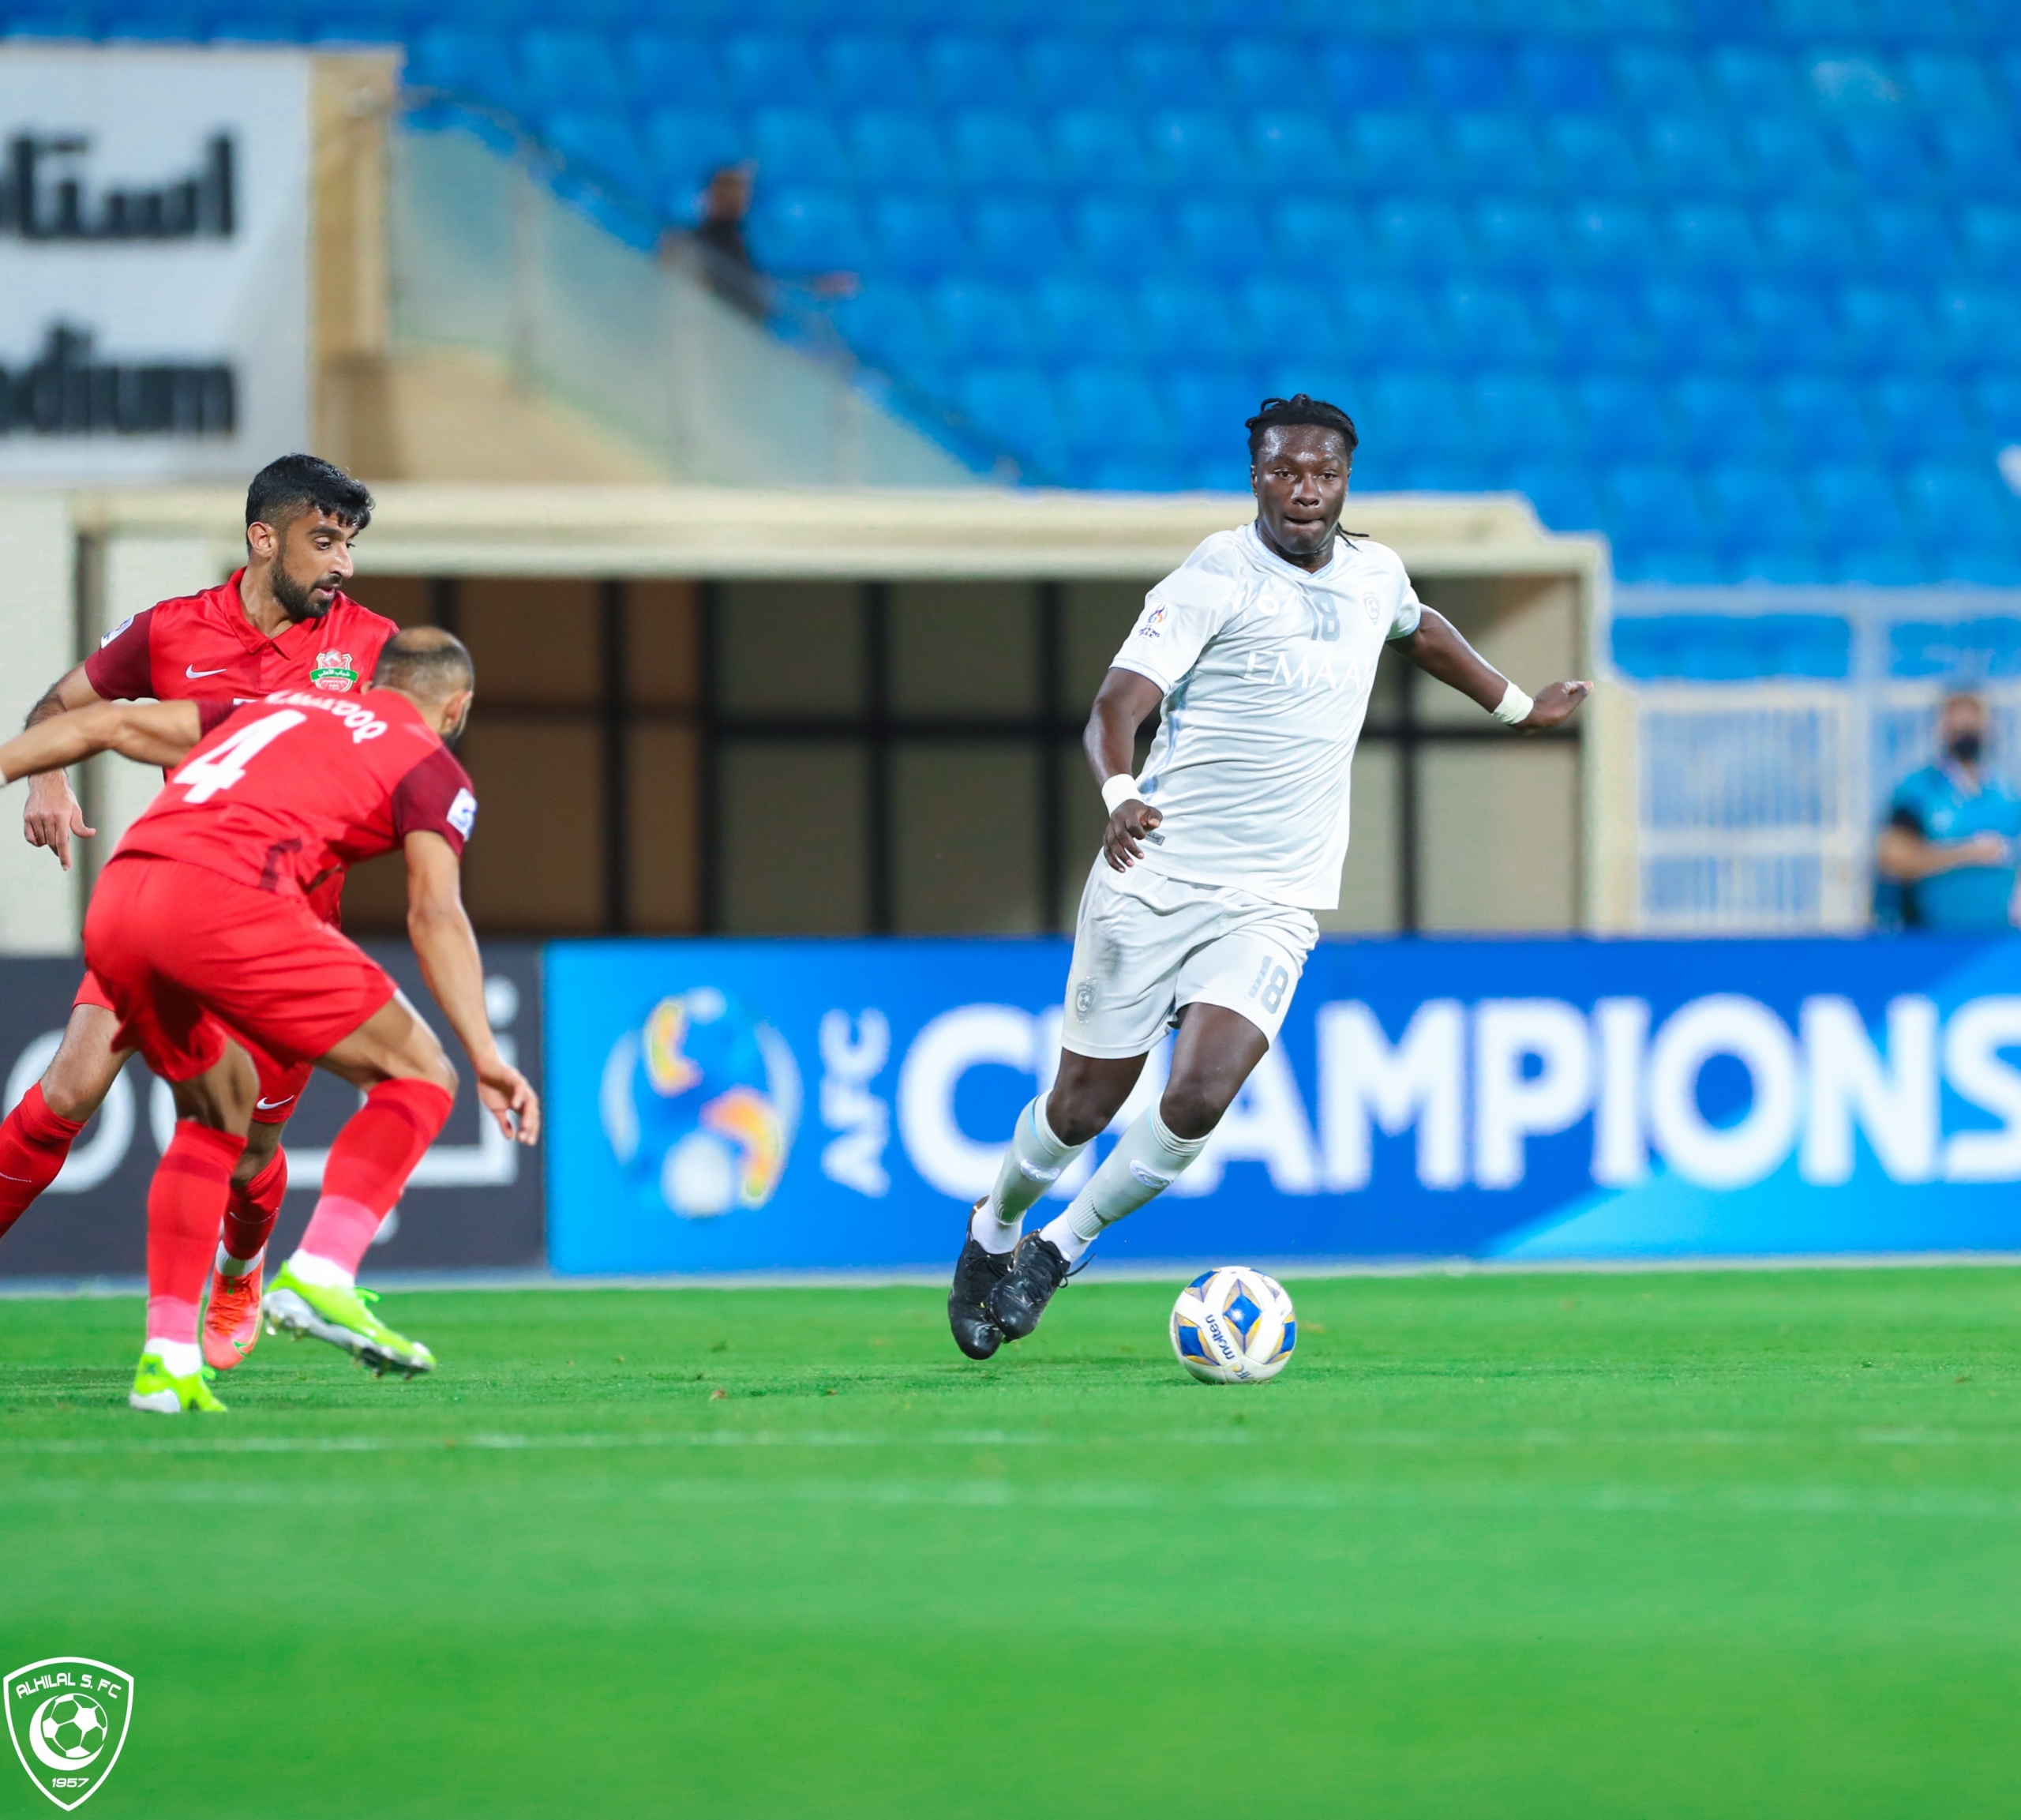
33,1143
249,1217
185,1200
370,1164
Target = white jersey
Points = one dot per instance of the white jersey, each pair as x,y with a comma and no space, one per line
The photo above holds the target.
1266,670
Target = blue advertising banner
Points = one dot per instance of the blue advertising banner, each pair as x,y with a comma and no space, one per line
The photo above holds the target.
731,1105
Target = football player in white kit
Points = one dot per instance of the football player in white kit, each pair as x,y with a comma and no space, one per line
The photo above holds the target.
1262,647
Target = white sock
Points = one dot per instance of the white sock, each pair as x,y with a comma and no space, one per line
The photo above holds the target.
228,1265
321,1272
1145,1162
1032,1161
179,1358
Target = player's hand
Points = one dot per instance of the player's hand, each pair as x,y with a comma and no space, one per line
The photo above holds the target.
1126,828
508,1095
1985,849
53,816
1554,705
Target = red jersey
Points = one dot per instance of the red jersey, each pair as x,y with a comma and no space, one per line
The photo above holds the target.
201,647
284,793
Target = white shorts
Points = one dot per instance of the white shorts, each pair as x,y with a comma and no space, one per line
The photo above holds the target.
1145,946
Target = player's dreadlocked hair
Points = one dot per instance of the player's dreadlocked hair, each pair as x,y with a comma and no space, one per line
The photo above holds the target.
1281,413
286,489
425,661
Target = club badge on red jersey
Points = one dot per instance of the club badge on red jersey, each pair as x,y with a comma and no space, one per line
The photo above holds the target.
333,670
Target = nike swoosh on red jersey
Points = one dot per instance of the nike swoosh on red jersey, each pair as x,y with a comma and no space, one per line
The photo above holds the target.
191,671
274,1105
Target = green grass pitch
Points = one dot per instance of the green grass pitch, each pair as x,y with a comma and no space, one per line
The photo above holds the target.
1712,1544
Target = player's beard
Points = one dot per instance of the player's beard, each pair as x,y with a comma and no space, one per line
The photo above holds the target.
298,602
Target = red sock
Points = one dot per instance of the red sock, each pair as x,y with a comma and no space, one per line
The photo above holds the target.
370,1164
254,1206
33,1143
185,1202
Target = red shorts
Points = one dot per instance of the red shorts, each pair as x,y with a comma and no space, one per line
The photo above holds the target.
281,1083
253,961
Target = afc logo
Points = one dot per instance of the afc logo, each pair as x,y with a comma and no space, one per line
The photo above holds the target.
333,670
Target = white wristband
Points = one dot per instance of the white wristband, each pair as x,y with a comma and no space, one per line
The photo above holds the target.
1515,707
1119,790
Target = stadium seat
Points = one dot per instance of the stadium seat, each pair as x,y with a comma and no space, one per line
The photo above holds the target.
1094,401
1099,151
964,72
1758,510
996,149
1854,503
1513,237
471,66
1976,326
767,71
1222,240
1625,416
1789,323
1611,237
1990,236
887,150
1589,157
1750,83
1367,78
1949,85
1119,236
919,236
982,323
1564,496
1394,154
1692,155
1887,157
682,147
1786,156
1655,511
1910,238
1420,238
1498,152
1490,324
1594,328
1292,147
1015,405
1068,74
1012,237
668,71
1718,419
1287,316
1805,240
1191,151
1459,76
796,146
1416,414
1815,411
1717,238
604,147
1561,78
869,70
1523,415
1184,322
1209,405
1995,407
1883,326
1160,72
888,325
808,230
1650,78
1264,76
573,69
1322,234
1976,157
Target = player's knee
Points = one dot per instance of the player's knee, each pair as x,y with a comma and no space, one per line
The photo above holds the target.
1189,1108
1075,1118
76,1081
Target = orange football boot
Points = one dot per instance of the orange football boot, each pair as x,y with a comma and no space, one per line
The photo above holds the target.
231,1317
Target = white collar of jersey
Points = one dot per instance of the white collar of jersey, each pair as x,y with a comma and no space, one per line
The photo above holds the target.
1276,564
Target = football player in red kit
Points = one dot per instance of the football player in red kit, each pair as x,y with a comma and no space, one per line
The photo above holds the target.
267,799
282,621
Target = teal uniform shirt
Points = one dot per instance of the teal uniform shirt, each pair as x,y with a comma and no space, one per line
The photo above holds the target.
1935,803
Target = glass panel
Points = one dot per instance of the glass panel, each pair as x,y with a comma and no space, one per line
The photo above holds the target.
790,648
660,644
666,852
535,862
964,647
1499,826
1370,894
792,822
965,837
532,641
1098,616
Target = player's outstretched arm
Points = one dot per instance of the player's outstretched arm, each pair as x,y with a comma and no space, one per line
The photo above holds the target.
1437,648
446,946
1124,703
53,815
153,732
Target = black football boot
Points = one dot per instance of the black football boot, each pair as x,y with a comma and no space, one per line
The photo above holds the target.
976,1274
1036,1269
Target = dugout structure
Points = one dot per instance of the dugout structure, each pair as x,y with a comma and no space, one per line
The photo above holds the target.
852,711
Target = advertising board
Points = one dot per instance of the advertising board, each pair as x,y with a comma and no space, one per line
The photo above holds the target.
767,1105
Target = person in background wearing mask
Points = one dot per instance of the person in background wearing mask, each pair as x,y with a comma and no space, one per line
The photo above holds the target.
1950,844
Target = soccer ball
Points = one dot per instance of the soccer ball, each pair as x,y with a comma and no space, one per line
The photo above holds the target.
74,1727
1233,1325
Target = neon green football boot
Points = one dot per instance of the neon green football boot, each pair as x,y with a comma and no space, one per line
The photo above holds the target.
156,1388
342,1318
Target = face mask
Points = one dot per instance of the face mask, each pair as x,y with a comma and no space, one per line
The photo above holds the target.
1966,747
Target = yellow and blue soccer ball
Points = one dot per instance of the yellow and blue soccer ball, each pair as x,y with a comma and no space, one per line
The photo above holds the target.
1234,1326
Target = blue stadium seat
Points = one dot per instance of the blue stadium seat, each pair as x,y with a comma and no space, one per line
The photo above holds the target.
894,150
1418,414
682,147
962,71
1563,494
1887,157
1225,241
982,323
1588,156
1094,399
1949,85
1595,327
919,236
863,70
1208,406
1016,405
1512,236
1758,510
1458,75
1292,147
1265,75
1713,238
1186,323
670,70
1394,154
1997,405
1656,508
796,146
1422,238
1960,502
1069,74
1910,237
770,71
1561,78
1806,240
473,65
996,150
1976,157
1322,235
1381,321
1518,414
1287,314
1789,323
1075,320
1497,152
1815,411
1692,325
1976,326
1611,237
1656,79
1169,73
604,147
1718,419
1787,156
1882,326
1119,236
889,326
1625,416
1920,418
1490,324
1196,151
1101,151
1015,236
808,230
572,70
1990,236
1367,78
1692,155
1855,503
1750,82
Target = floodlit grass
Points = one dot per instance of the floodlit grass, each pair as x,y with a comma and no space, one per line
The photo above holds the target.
1714,1545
